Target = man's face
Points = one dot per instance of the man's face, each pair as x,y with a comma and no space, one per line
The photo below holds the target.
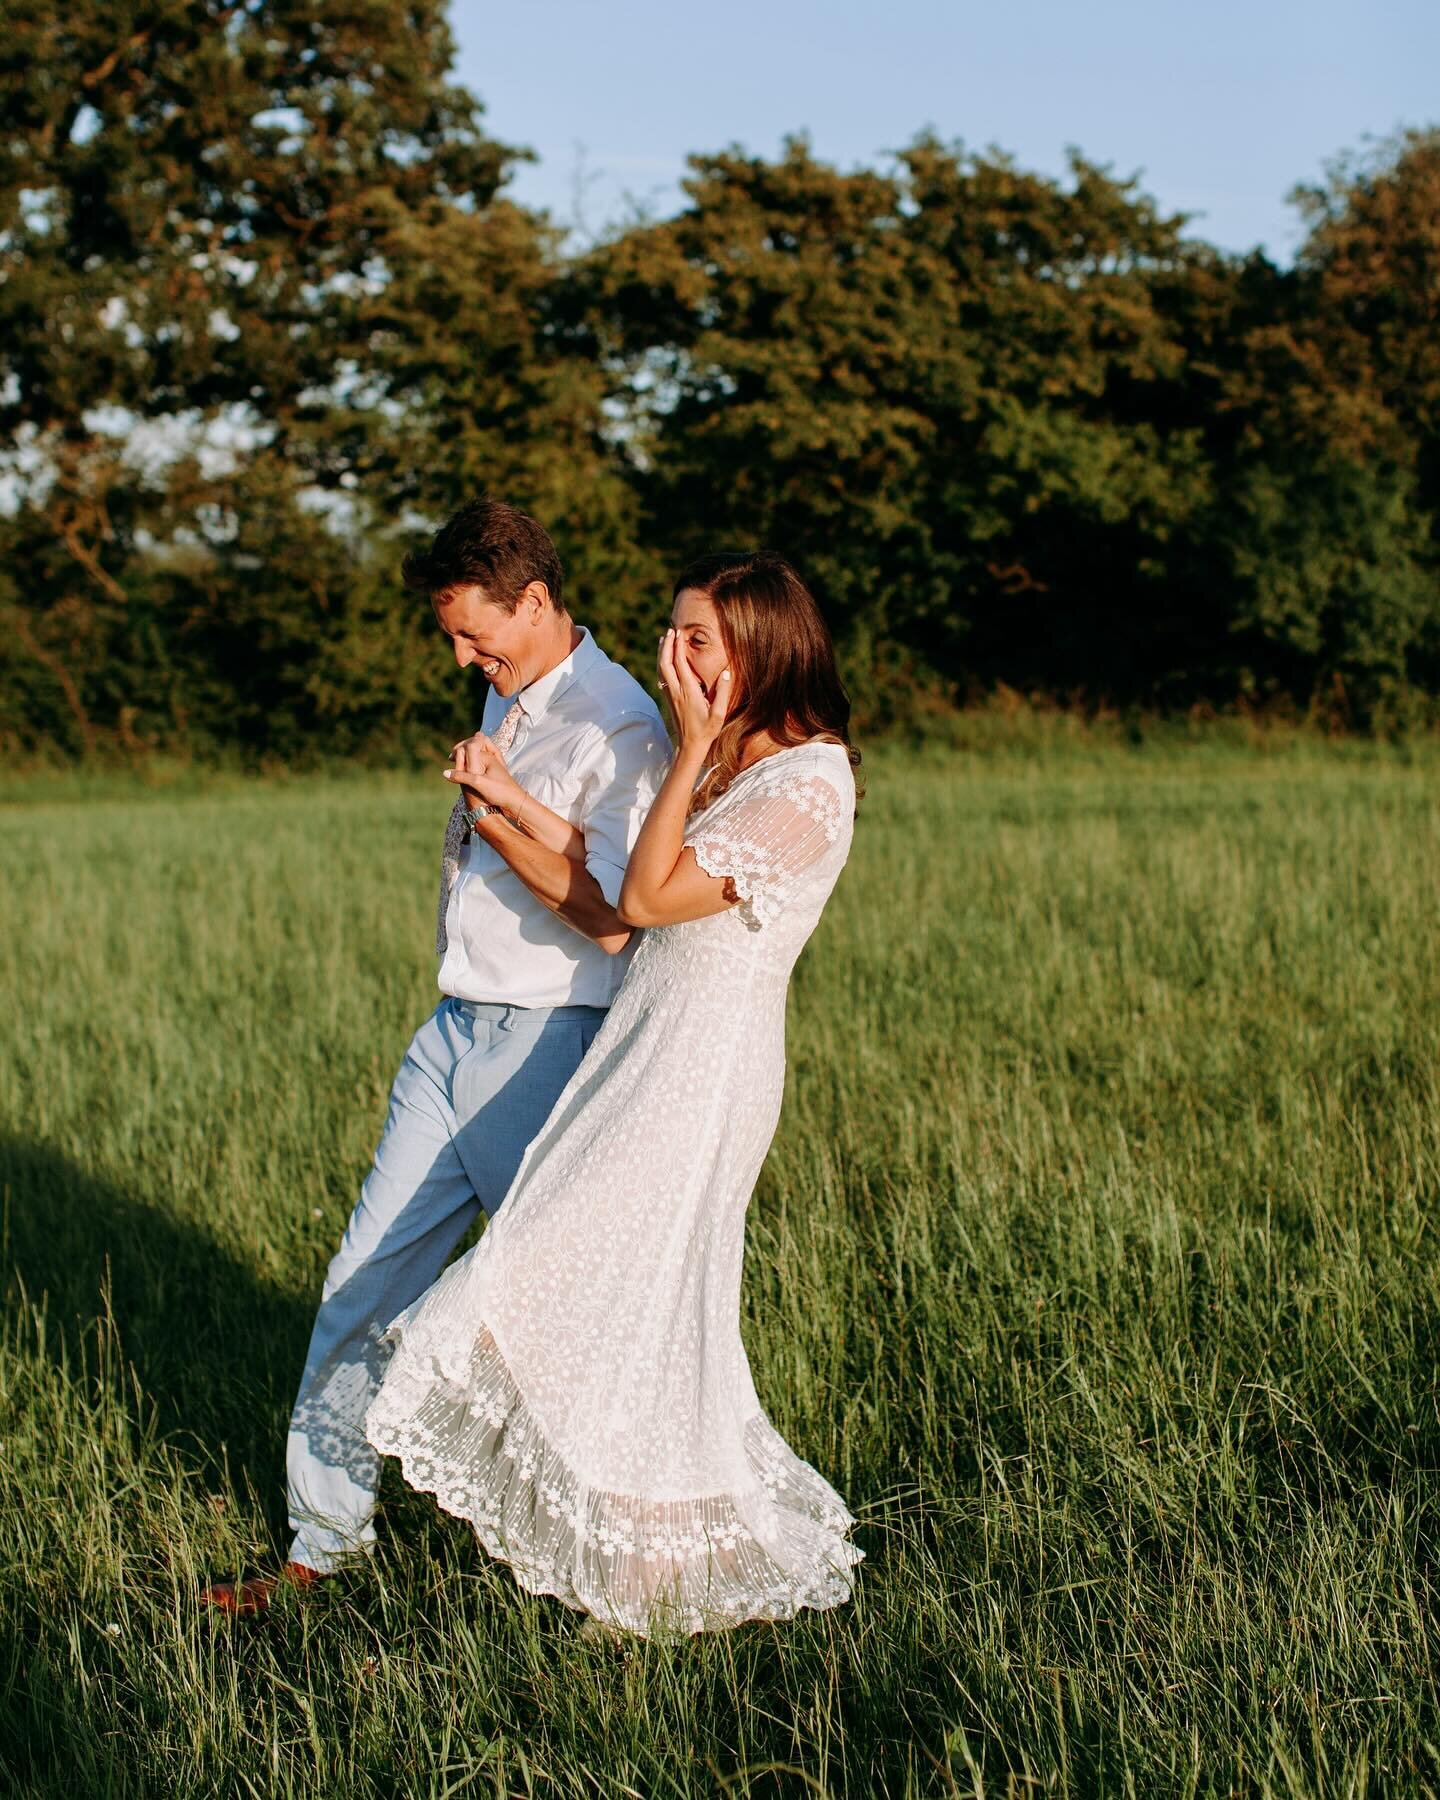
504,645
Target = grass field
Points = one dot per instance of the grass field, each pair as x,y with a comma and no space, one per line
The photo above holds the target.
1095,1263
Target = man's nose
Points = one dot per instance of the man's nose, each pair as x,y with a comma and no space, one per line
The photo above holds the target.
464,653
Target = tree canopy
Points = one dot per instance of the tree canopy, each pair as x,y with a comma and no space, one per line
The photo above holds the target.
267,314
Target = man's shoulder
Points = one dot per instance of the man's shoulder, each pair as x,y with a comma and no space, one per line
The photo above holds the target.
609,693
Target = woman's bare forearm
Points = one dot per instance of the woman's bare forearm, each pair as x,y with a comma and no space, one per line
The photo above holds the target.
546,827
664,884
560,882
661,842
528,815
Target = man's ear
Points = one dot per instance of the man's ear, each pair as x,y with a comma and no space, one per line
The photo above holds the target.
536,595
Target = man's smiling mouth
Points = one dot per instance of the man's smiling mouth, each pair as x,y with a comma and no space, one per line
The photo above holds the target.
490,670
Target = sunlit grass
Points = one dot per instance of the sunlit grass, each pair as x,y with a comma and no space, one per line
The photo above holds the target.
1094,1262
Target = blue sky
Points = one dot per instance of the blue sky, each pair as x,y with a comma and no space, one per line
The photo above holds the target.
1221,106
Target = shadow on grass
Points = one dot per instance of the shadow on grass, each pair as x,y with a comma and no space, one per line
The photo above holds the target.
217,1348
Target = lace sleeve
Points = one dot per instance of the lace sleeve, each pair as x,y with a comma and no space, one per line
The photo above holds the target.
766,836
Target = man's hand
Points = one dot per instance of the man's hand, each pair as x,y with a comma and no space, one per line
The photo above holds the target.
554,870
480,770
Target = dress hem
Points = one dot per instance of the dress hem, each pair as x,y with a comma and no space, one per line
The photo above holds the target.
651,1567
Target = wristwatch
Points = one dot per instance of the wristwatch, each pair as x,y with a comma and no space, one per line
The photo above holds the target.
472,813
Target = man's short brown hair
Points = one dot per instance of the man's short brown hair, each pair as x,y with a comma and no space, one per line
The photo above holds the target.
489,545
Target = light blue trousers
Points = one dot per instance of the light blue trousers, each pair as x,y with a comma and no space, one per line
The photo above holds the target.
476,1085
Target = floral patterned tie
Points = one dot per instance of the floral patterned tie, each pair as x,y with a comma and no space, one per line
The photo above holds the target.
457,827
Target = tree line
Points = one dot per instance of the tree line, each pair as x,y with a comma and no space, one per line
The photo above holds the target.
267,314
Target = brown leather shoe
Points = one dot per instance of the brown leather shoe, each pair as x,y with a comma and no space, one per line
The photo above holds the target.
248,1599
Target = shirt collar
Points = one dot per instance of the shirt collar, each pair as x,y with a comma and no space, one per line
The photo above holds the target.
535,699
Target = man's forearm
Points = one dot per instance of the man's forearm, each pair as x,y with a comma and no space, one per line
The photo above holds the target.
568,888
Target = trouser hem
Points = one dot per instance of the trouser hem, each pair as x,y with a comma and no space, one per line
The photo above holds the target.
328,1559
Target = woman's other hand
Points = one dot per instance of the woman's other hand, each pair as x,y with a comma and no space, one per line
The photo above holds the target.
697,713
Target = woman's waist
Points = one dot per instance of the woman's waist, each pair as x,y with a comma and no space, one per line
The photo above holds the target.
731,951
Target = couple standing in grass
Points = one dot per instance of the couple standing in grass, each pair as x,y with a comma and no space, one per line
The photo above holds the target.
618,923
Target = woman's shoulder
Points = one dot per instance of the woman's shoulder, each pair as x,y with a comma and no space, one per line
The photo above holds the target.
790,756
815,776
824,758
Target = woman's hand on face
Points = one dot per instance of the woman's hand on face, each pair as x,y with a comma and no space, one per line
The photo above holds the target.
480,770
697,715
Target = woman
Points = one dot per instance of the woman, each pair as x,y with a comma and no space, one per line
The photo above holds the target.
576,1387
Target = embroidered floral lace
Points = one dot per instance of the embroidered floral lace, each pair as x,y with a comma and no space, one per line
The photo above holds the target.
576,1387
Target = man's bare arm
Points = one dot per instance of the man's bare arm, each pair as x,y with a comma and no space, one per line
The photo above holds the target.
481,770
568,888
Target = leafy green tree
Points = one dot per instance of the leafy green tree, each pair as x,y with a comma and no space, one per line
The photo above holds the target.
1370,269
255,267
1324,434
1371,263
940,388
266,313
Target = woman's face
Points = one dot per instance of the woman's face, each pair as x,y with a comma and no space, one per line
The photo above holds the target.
697,626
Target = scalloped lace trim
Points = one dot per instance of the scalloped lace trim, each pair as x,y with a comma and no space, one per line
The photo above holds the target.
676,1566
758,905
766,832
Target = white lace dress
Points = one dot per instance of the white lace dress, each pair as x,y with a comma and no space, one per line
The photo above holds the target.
576,1386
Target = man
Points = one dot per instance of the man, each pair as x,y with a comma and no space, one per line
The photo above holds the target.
532,952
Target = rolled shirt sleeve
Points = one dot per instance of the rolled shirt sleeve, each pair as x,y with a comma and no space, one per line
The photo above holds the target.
628,765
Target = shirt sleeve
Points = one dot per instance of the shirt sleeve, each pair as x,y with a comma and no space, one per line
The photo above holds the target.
766,841
621,788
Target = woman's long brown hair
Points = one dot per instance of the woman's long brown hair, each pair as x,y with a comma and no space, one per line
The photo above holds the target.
782,661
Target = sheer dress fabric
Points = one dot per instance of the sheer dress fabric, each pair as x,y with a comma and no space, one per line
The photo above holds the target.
576,1387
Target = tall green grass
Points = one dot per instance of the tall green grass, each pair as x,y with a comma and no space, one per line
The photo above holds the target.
1095,1262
